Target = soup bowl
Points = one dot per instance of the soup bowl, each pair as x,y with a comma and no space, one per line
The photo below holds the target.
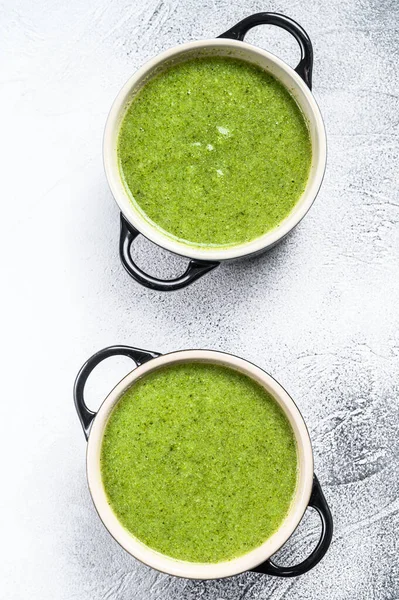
307,493
298,81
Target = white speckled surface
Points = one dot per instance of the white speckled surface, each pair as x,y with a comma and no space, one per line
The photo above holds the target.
320,311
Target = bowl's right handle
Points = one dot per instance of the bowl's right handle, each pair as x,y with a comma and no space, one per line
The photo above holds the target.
195,269
86,416
317,501
305,65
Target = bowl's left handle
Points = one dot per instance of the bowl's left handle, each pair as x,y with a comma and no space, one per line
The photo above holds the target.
195,269
305,66
86,415
317,501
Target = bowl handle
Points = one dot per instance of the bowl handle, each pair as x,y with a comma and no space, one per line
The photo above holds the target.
86,416
317,501
195,269
305,65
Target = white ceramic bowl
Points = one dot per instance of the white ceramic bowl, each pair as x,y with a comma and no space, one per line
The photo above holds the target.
223,46
94,426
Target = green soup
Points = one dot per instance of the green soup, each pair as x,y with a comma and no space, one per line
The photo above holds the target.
214,152
199,462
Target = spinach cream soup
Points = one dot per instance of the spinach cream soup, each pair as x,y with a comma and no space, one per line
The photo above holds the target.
199,462
214,152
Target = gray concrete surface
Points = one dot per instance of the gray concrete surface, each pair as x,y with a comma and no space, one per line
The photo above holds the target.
319,312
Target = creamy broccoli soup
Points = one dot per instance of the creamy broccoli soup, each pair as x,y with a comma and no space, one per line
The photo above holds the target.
199,462
214,152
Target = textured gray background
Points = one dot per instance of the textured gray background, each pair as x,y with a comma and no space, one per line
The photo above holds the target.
319,312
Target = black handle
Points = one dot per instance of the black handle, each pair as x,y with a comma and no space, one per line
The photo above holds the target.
305,65
317,501
86,415
195,269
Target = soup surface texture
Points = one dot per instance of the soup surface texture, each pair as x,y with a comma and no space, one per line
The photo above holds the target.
199,462
214,151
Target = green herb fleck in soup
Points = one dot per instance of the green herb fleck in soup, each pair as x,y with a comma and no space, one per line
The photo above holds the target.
214,151
199,462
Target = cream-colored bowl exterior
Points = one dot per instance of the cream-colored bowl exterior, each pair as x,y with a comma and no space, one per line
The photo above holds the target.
252,54
170,565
